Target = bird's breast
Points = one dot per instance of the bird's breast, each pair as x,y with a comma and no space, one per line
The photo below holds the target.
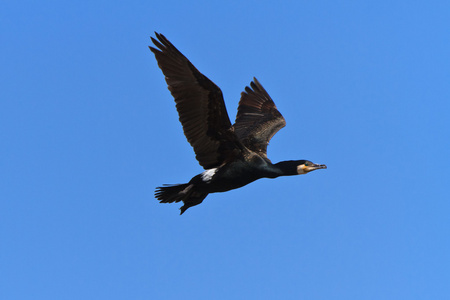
232,176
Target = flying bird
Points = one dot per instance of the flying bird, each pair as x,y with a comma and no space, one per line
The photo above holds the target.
233,155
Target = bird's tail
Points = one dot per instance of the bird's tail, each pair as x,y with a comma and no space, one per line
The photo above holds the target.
179,192
172,193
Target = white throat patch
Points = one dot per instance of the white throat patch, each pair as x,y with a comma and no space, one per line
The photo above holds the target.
208,174
301,170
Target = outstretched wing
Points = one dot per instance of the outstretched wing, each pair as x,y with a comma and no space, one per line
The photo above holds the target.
257,118
200,105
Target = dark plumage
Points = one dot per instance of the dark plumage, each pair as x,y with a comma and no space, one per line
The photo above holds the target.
232,155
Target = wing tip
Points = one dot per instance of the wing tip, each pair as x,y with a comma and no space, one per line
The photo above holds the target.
161,42
255,87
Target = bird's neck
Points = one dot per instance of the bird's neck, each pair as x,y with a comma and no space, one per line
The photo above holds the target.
286,168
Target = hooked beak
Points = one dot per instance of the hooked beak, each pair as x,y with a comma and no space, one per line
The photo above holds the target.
316,167
303,169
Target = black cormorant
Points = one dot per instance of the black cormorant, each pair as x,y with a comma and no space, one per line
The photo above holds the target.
232,155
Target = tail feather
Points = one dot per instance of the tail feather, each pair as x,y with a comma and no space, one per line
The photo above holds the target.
180,192
172,193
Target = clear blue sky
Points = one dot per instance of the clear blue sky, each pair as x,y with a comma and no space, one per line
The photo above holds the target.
88,129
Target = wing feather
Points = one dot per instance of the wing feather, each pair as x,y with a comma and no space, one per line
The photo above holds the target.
200,105
257,119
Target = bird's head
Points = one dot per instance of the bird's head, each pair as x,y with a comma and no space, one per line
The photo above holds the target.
298,167
306,166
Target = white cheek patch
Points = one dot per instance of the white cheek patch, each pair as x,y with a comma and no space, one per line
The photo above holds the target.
208,174
300,169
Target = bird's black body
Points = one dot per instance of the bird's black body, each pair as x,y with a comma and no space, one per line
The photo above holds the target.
232,155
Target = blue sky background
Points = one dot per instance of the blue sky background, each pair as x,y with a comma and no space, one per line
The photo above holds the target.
88,129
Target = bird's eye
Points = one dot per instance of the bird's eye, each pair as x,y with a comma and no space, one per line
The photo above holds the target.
306,164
